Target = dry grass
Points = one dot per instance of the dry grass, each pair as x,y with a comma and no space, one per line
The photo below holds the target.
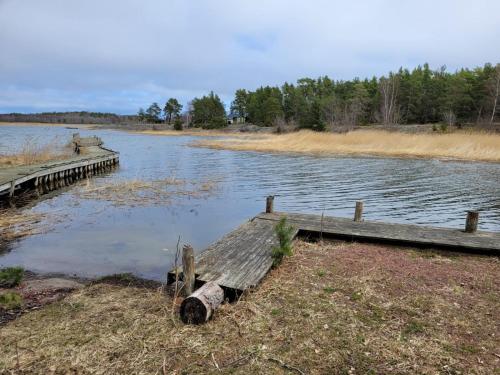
31,152
460,145
329,309
144,193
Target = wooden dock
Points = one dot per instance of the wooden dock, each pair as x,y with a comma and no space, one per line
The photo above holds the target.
241,259
90,158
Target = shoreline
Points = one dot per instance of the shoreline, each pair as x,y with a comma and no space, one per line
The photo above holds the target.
465,146
336,292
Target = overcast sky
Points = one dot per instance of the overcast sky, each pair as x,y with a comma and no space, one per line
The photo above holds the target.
119,55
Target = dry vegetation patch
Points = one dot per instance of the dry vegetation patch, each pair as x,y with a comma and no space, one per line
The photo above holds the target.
32,152
330,308
459,145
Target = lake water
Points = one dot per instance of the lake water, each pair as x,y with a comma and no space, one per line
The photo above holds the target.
98,238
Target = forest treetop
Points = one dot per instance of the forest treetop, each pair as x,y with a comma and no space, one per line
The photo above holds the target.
419,96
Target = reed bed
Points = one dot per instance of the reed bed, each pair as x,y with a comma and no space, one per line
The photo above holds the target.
331,308
32,152
460,145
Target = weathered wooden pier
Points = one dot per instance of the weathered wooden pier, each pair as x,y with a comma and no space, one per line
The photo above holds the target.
240,260
90,158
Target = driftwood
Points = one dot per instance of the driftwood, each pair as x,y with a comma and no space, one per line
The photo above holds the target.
199,307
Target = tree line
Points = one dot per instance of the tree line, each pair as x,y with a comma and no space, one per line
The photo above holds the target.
207,112
419,96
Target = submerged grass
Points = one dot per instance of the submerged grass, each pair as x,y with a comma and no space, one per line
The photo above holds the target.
143,192
459,145
368,309
16,223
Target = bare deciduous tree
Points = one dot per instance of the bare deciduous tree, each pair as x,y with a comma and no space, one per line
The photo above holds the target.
389,88
494,89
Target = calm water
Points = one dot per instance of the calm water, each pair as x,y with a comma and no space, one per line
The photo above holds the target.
98,238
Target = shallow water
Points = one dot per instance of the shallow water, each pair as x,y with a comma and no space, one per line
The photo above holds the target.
97,238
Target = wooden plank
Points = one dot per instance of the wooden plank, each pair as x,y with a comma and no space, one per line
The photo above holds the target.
400,233
241,258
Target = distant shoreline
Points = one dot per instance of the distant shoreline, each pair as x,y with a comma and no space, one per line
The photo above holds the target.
50,124
465,145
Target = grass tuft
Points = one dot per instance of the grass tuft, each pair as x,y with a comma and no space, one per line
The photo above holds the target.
10,300
11,277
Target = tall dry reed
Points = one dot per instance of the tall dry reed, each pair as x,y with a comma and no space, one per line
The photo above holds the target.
33,152
459,145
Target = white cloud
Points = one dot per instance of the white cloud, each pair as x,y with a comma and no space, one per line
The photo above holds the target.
118,54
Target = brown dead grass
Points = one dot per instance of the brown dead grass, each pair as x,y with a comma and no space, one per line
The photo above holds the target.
142,192
459,145
31,152
329,309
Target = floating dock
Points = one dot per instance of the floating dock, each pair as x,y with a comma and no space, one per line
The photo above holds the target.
90,158
241,259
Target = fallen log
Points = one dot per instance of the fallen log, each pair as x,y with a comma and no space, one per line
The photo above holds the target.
199,307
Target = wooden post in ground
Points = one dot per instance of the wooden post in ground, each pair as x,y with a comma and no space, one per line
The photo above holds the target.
270,204
358,213
12,189
188,269
200,306
471,221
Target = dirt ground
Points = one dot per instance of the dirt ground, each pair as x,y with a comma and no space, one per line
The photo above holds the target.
331,308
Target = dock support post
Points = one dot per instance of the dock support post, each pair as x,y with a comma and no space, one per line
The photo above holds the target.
270,204
188,269
471,221
12,189
358,213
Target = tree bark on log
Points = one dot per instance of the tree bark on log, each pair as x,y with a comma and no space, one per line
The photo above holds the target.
199,307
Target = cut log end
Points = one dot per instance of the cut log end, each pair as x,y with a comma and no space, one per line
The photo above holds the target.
193,311
199,307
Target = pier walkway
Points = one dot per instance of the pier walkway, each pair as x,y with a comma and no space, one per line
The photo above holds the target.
241,259
91,158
